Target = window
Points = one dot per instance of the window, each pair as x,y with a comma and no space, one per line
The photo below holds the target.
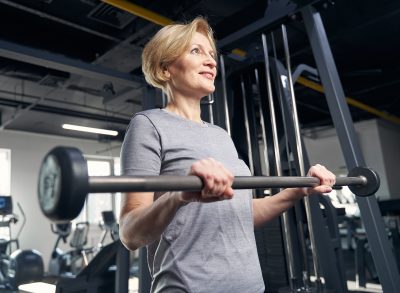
5,191
96,203
103,201
5,172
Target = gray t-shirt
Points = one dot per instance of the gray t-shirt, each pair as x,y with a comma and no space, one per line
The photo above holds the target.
207,247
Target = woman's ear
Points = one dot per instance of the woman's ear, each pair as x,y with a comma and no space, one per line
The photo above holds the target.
166,73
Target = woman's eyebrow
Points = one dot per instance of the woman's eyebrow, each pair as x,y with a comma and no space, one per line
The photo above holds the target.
202,47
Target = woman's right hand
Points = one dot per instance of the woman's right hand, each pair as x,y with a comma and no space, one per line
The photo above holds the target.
217,182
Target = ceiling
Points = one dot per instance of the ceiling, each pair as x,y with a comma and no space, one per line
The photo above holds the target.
78,61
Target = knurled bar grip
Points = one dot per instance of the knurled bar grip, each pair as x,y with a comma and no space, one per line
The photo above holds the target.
113,184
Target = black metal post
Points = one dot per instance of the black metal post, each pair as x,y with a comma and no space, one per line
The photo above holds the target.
287,239
122,273
299,151
361,279
370,213
325,253
247,123
224,94
144,274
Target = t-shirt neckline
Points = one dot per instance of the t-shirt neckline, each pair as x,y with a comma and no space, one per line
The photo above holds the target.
202,124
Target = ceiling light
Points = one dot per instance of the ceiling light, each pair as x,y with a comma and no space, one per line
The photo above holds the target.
90,129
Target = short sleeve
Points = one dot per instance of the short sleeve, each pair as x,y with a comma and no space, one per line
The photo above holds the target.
141,149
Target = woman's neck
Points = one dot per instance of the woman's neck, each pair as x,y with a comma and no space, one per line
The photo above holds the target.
186,108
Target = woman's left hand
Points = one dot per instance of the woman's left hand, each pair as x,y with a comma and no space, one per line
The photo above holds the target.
327,180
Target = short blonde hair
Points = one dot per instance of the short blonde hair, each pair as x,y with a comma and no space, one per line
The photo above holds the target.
167,45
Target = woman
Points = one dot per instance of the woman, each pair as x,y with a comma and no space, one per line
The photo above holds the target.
197,241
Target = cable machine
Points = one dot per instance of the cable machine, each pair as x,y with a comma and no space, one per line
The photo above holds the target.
245,91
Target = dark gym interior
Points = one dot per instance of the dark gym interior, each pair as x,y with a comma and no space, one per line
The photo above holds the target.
78,62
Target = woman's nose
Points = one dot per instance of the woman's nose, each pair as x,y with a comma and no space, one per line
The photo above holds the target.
211,62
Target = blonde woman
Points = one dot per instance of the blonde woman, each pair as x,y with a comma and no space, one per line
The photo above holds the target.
197,241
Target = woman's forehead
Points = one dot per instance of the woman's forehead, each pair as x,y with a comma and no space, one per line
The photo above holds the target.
200,39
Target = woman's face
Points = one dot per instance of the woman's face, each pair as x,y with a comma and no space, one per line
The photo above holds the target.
193,73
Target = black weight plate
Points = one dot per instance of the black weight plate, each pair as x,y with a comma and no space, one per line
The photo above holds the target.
373,181
63,184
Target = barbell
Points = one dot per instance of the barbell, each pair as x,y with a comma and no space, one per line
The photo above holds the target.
64,183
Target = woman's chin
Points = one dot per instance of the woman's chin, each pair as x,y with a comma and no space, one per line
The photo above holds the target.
210,90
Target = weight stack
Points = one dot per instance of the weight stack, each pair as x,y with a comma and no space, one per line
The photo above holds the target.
272,256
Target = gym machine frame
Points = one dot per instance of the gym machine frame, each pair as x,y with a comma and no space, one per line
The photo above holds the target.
381,251
329,258
378,240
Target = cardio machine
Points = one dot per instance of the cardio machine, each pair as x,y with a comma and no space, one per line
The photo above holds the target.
71,262
16,266
60,261
108,225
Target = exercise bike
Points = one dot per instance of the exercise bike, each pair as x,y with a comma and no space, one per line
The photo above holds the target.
109,226
60,261
16,266
70,263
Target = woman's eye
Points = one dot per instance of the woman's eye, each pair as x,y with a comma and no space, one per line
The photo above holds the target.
195,50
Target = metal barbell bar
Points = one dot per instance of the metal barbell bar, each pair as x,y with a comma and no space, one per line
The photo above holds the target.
64,183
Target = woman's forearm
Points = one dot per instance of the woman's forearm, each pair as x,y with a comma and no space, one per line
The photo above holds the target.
267,208
145,224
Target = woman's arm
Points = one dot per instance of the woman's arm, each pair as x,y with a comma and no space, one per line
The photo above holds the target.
143,220
267,208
